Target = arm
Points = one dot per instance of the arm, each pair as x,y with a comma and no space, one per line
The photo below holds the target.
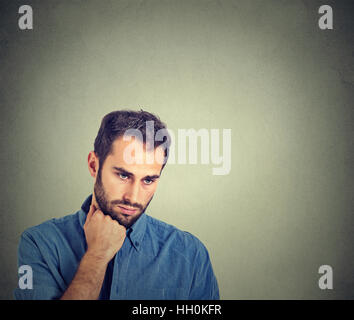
47,283
88,279
104,238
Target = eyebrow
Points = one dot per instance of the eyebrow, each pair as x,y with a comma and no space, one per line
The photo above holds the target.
122,170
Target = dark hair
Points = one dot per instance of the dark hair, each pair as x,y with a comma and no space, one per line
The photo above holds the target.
115,124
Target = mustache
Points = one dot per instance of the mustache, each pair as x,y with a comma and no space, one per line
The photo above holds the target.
127,203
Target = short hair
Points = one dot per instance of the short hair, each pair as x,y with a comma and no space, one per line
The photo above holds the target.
115,124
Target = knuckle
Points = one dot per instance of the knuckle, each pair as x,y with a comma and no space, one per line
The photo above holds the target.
115,224
99,214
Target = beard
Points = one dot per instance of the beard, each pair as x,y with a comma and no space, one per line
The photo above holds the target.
107,207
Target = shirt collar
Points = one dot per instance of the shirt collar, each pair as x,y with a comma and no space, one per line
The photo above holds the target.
135,233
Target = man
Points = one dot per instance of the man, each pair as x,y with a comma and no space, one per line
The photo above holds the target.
111,249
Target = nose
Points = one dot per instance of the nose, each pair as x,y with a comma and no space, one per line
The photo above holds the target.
131,193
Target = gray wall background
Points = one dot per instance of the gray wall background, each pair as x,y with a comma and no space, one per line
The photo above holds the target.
262,68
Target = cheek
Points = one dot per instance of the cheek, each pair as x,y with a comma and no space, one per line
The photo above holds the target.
148,193
113,186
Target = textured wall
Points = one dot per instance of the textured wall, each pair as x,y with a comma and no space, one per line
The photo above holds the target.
262,68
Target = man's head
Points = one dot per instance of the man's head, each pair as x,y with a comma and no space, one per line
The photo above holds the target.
123,189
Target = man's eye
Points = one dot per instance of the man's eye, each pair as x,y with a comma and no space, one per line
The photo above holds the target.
148,181
123,176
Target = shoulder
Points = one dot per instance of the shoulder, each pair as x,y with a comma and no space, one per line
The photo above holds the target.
53,229
179,241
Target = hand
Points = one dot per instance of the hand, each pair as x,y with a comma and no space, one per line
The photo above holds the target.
104,236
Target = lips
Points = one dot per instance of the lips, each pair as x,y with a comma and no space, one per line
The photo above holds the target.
128,211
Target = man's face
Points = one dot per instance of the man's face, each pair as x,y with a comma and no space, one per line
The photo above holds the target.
123,191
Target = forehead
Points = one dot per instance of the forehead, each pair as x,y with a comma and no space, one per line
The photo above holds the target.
147,162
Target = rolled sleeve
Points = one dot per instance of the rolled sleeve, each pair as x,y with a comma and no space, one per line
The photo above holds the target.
45,286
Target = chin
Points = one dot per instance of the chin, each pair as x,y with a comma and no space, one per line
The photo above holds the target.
125,220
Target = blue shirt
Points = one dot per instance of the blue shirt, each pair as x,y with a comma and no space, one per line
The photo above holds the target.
156,261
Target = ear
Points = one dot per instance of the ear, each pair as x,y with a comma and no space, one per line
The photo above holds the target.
93,164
